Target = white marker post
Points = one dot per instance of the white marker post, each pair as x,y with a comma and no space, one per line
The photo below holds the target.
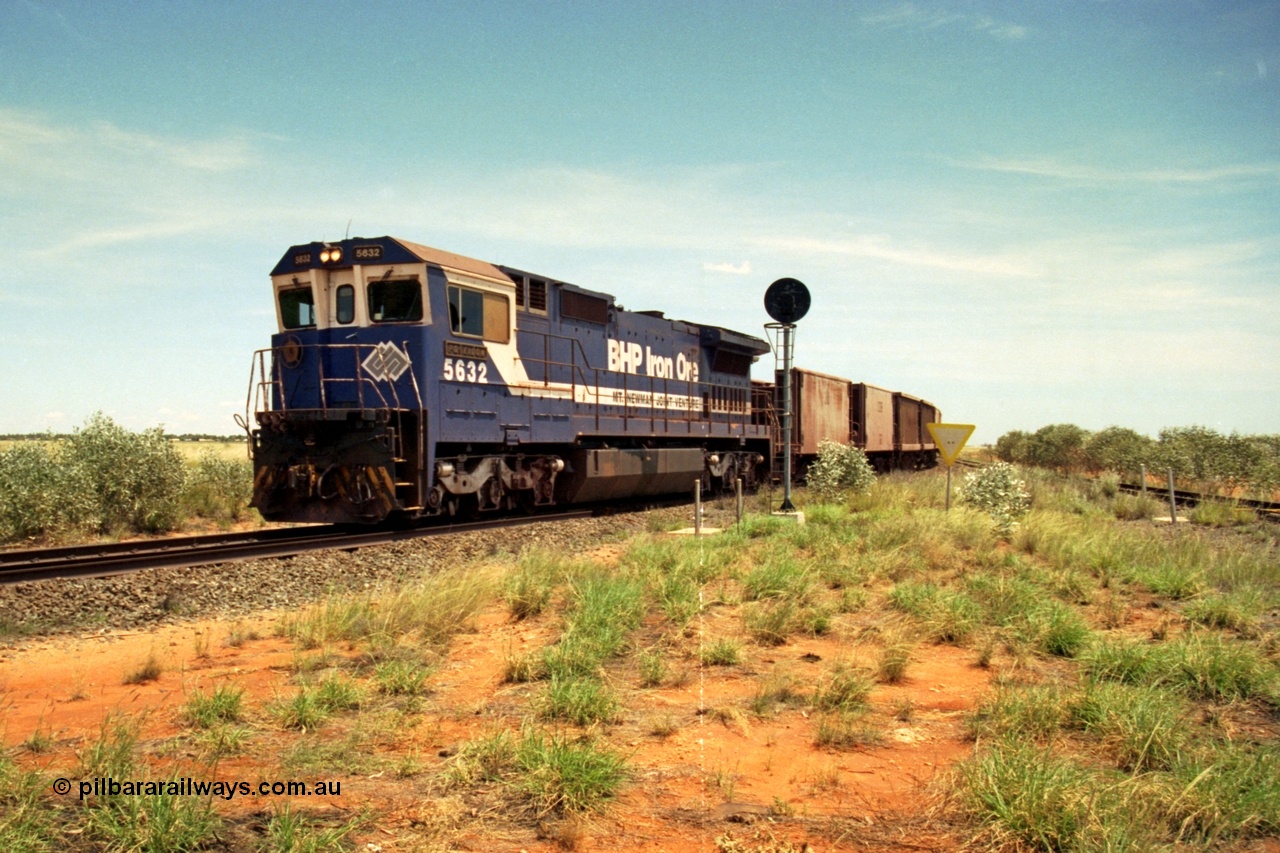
950,439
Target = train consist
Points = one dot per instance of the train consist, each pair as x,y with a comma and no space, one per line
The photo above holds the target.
405,381
889,426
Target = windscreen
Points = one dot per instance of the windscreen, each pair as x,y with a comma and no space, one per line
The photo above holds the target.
297,308
398,301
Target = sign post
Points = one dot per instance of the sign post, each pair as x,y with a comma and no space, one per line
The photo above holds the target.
950,439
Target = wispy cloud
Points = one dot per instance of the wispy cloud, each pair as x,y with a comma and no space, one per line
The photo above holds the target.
35,151
120,185
216,155
915,16
743,268
879,248
1084,173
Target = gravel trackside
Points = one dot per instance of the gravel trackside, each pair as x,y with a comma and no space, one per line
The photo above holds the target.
157,596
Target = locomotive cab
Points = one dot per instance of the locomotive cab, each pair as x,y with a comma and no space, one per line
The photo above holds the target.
338,399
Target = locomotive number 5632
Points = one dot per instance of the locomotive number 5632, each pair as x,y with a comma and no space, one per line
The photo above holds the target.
465,370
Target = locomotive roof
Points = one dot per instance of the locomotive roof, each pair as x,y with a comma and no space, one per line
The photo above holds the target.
391,250
461,263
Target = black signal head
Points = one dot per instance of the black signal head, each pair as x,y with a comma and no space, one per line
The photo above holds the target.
786,300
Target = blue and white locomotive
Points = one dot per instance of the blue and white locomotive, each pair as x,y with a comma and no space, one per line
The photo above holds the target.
406,381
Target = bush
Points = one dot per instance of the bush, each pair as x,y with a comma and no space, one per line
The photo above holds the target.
997,491
1058,446
42,496
1012,446
217,488
137,477
1119,449
839,469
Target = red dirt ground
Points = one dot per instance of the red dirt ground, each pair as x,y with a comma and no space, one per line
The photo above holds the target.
722,772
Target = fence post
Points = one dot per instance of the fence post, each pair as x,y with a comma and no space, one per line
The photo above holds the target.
738,489
1173,504
697,507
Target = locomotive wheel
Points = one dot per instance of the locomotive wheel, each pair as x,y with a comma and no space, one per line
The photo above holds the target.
468,508
526,502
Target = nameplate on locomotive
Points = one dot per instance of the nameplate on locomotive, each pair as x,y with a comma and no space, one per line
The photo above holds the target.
453,349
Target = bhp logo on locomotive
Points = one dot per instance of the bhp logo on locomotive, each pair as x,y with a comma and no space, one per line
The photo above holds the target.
631,358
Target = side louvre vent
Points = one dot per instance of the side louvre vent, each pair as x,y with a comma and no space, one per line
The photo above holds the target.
580,306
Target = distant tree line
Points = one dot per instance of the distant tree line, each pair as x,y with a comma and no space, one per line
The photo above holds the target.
1196,454
61,436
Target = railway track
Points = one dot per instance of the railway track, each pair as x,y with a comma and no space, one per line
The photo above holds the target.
113,558
1268,510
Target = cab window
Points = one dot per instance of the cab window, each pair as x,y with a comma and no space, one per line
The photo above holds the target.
479,314
345,304
297,308
395,301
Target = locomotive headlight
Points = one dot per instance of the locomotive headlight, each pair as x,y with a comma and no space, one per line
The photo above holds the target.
324,256
330,254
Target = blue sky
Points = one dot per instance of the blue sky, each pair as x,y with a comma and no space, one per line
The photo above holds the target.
1026,212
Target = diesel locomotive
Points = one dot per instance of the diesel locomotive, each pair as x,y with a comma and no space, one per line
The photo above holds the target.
405,381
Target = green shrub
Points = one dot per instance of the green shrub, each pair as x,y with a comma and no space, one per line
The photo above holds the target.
1134,507
1234,790
893,662
997,491
845,689
724,651
137,477
839,470
1020,713
1120,660
581,700
1145,727
1221,514
103,477
842,730
218,488
40,495
1065,633
779,577
221,706
559,775
1046,802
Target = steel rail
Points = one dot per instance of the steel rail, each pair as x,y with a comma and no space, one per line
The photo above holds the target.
116,558
1268,510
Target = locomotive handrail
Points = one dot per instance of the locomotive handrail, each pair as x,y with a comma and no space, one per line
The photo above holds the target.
715,402
268,385
261,398
578,376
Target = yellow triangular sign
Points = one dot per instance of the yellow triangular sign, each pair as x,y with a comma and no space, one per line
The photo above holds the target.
950,439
